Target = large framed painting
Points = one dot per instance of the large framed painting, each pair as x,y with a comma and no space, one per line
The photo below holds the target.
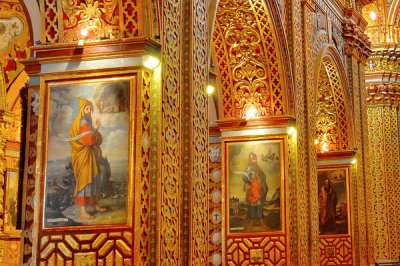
11,201
87,152
334,203
255,185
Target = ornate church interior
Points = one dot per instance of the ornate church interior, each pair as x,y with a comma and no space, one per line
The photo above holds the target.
189,132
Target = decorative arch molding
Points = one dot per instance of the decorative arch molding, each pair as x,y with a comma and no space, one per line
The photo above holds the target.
333,108
393,12
32,13
252,57
321,38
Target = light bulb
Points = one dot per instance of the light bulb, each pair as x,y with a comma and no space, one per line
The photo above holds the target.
372,15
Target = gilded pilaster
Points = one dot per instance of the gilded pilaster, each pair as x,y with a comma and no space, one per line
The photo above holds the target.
383,101
194,132
298,201
170,178
184,181
357,51
309,33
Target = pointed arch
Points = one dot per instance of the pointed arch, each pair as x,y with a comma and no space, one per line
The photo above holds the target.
333,106
32,13
252,58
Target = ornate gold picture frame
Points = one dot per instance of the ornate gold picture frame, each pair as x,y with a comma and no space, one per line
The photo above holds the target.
334,200
255,174
87,152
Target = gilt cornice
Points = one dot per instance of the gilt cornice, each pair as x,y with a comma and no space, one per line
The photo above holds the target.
384,93
384,61
356,40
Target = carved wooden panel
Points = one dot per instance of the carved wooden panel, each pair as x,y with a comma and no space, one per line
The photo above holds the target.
383,187
332,132
249,62
267,250
94,20
113,248
30,174
336,250
199,128
170,187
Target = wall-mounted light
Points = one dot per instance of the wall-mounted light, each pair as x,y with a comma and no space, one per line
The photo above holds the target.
150,61
84,32
316,141
354,161
81,42
324,146
251,113
372,15
210,89
291,130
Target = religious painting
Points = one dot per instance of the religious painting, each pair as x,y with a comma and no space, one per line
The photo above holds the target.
87,168
255,185
11,201
333,198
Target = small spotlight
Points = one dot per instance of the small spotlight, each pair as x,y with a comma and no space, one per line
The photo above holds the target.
324,146
251,113
151,62
84,32
354,161
291,131
372,15
210,89
81,42
316,141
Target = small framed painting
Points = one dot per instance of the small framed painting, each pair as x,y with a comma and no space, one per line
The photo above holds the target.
255,182
334,204
87,150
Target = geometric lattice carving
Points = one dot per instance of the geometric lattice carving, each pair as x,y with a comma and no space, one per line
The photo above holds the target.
266,250
130,18
249,61
332,132
101,19
144,187
336,251
113,248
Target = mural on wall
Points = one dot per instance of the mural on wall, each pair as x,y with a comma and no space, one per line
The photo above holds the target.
87,158
255,186
333,201
14,40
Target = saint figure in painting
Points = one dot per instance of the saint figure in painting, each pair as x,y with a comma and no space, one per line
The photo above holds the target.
85,141
255,185
327,201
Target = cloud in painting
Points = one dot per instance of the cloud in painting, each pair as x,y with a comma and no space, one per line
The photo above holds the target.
115,145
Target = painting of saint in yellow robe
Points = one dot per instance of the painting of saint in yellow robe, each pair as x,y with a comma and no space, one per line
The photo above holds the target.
87,171
85,155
